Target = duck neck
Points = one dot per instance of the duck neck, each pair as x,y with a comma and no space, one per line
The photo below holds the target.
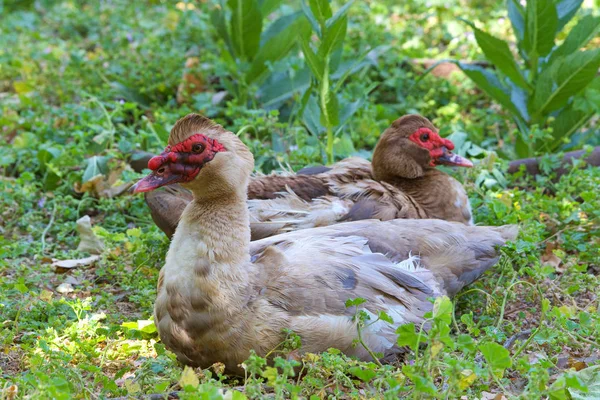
210,248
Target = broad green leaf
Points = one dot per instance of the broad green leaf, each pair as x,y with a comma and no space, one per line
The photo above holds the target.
344,147
355,302
311,119
519,97
516,14
565,124
343,10
314,62
333,37
328,101
246,27
580,35
540,27
282,86
268,6
496,356
589,100
365,375
280,25
498,53
311,18
488,82
217,17
321,10
407,336
276,48
442,309
591,378
95,165
566,9
565,78
466,343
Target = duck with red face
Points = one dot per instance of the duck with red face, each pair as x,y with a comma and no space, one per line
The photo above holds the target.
401,182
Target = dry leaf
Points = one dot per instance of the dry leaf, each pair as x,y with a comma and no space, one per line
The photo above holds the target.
192,81
103,186
65,265
188,377
11,392
64,288
549,258
89,241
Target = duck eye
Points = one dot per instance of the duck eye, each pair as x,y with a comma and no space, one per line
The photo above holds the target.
197,148
161,170
424,137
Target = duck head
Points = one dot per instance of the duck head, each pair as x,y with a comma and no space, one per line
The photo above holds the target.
410,146
202,157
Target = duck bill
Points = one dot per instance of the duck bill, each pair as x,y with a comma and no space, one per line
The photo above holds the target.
154,181
449,158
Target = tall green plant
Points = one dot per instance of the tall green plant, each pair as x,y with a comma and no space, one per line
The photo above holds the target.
250,48
551,86
323,61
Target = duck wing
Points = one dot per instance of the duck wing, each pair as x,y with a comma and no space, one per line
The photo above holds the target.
395,266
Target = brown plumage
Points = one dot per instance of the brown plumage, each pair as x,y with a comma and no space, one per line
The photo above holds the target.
401,183
220,295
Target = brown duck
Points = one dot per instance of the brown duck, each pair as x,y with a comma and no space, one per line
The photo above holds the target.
220,295
402,182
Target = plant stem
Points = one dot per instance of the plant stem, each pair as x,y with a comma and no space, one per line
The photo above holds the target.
329,145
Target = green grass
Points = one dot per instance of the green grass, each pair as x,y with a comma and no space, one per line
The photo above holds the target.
100,80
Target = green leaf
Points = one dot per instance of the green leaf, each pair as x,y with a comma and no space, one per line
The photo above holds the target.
246,27
466,343
442,309
95,165
278,26
321,10
516,14
282,86
365,375
580,35
383,315
355,302
407,336
333,38
499,54
276,48
217,17
311,18
314,62
490,84
565,78
566,9
268,6
328,100
565,125
343,10
591,378
496,356
311,119
540,27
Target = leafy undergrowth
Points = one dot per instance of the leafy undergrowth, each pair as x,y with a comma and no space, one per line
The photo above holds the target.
76,101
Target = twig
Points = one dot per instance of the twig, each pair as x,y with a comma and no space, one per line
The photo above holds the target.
48,227
511,340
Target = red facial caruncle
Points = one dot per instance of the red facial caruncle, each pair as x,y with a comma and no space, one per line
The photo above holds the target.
179,163
439,148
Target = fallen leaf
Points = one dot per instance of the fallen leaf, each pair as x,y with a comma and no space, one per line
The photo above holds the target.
89,242
467,377
46,295
65,265
11,392
188,377
551,259
100,185
64,288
